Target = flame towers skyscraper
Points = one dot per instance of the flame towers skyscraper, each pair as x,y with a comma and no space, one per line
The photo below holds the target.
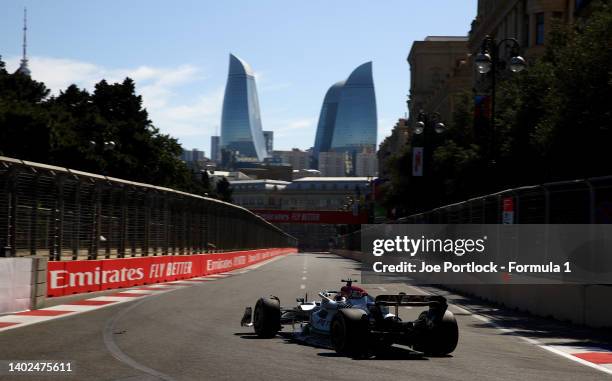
241,130
348,121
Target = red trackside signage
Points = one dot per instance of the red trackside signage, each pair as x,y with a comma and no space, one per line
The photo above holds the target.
72,277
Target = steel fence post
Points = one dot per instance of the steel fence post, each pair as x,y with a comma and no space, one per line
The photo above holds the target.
34,214
58,219
97,221
76,239
166,212
147,224
121,246
11,249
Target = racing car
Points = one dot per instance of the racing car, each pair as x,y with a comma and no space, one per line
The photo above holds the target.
357,324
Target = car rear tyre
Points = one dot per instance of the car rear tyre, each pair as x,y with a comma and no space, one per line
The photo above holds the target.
349,332
441,338
266,317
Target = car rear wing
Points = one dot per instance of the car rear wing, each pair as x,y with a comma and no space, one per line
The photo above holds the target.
411,300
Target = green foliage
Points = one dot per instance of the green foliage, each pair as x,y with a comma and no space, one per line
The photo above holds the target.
75,129
553,122
224,191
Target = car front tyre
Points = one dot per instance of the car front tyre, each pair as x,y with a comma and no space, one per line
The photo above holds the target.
266,317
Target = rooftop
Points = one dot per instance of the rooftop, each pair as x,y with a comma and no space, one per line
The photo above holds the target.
329,179
446,38
262,181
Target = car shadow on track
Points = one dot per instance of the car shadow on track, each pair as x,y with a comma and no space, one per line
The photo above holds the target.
392,353
249,336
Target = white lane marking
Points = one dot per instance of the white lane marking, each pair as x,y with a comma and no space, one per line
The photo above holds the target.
461,310
534,342
304,278
302,286
114,298
155,285
580,348
145,292
258,265
25,318
216,276
381,288
304,272
577,359
117,353
72,307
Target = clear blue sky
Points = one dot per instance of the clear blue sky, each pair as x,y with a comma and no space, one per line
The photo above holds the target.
177,51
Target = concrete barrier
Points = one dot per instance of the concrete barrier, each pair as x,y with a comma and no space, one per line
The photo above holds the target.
22,283
587,305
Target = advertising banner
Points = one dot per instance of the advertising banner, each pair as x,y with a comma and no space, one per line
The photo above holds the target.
313,216
508,211
417,161
73,277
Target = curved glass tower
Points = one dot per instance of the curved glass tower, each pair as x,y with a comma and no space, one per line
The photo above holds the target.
241,130
356,121
348,121
327,119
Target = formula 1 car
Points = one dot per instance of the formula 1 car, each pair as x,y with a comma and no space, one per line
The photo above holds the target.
357,324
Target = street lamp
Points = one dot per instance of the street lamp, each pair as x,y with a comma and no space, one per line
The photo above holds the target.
488,61
106,145
102,148
483,63
423,120
425,123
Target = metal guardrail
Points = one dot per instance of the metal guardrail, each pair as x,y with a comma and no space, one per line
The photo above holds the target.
66,214
587,201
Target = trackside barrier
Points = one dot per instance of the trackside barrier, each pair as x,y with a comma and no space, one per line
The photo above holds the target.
72,277
22,283
63,215
579,304
584,201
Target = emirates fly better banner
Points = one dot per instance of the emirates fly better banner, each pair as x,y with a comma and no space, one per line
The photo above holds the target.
72,277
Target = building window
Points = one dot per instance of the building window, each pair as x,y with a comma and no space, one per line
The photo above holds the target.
526,31
539,32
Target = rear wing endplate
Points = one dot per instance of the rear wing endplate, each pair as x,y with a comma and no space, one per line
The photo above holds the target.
410,300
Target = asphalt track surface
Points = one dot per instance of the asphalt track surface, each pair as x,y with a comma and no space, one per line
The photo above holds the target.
193,333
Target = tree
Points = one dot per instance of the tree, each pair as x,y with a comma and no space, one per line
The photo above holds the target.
23,115
75,129
553,122
224,190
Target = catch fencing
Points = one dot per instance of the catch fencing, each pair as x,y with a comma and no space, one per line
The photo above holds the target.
65,214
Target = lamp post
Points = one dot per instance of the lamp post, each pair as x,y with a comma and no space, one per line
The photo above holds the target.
427,126
425,122
102,147
488,61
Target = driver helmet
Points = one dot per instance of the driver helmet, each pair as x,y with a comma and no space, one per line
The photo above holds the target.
353,292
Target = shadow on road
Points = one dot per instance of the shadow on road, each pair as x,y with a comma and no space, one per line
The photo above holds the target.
249,336
393,353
